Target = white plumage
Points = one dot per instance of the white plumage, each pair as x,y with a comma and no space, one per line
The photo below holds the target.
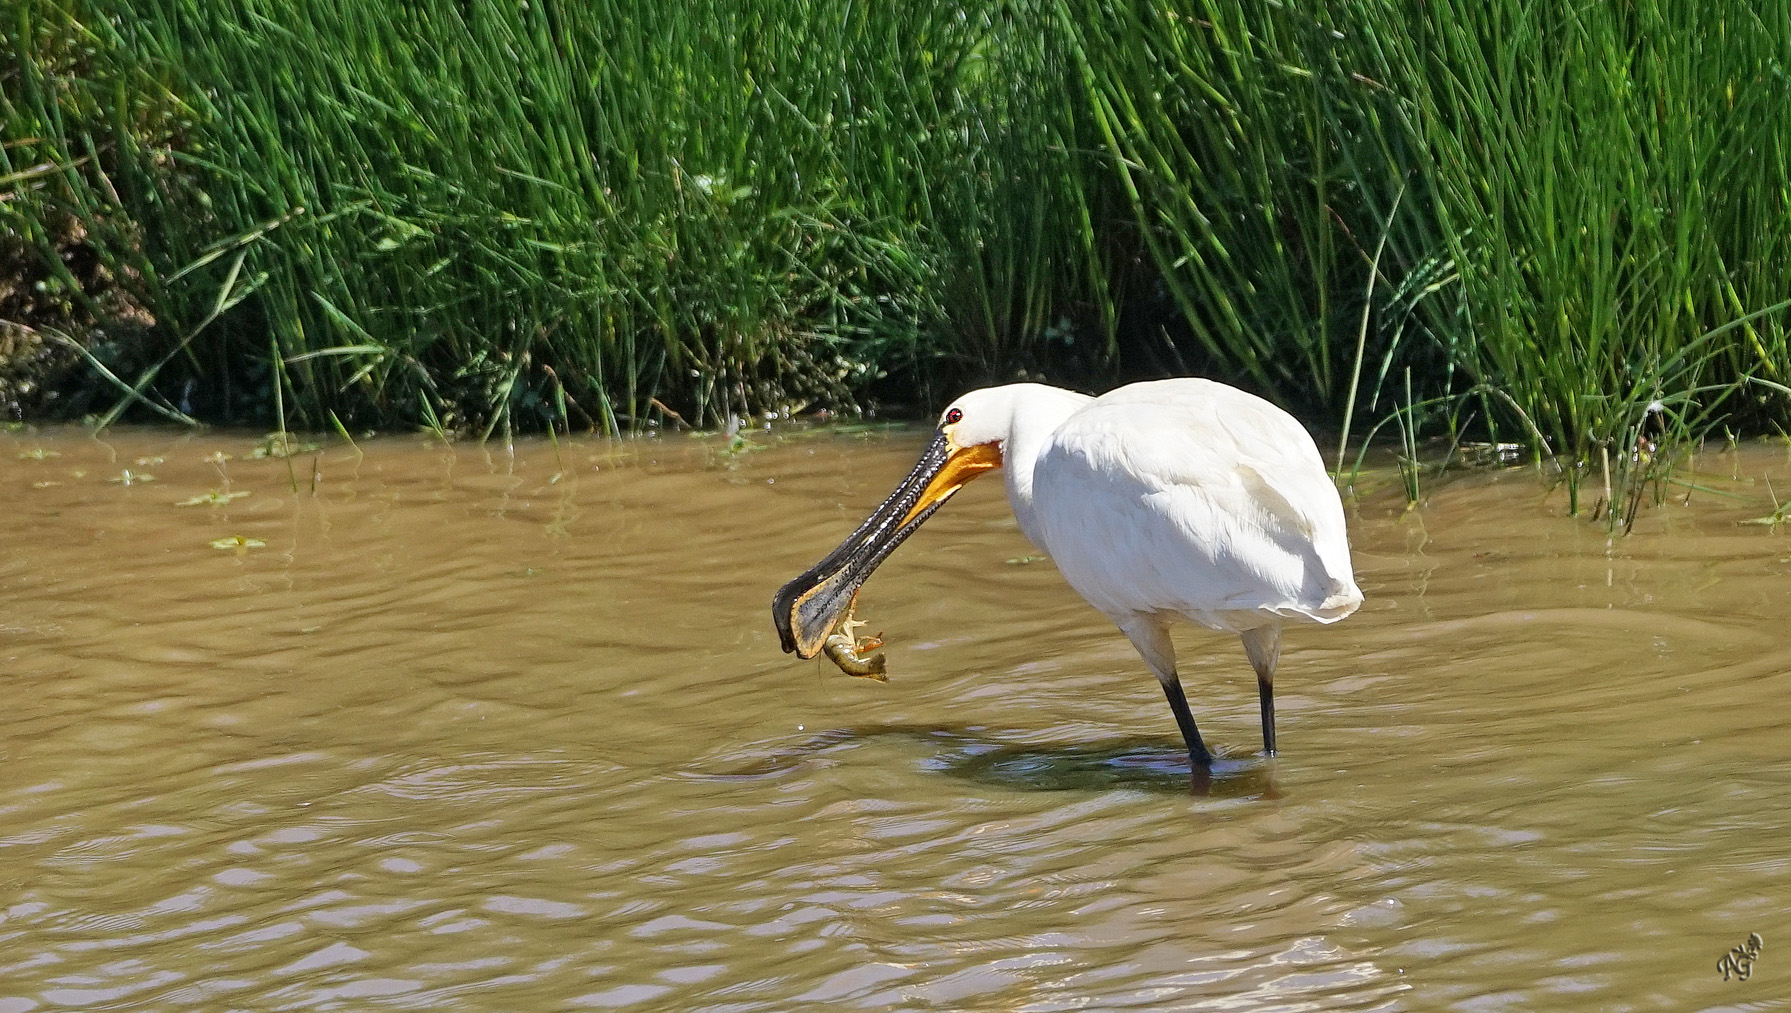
1193,498
1170,499
1174,498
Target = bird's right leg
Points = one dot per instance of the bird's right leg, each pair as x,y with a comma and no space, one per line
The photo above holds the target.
1151,637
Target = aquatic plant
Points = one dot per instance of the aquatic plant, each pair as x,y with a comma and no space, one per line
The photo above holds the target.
238,544
1565,224
499,213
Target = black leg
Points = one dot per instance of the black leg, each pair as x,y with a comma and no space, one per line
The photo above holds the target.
1178,702
1265,692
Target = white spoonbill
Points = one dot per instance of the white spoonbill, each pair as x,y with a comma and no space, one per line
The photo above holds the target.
1171,499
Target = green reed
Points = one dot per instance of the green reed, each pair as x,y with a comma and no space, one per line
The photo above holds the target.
732,206
1600,194
1585,206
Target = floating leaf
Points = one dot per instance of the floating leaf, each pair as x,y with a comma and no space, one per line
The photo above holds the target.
216,497
238,543
129,477
38,454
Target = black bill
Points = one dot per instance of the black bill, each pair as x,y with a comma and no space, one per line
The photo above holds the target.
808,608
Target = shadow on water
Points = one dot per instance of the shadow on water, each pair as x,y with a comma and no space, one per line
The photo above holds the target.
968,753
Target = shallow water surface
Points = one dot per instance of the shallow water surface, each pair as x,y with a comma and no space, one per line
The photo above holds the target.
476,729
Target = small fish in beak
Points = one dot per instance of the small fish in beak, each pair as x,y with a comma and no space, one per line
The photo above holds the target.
847,652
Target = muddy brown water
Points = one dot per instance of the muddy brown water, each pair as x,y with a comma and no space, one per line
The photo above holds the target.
477,729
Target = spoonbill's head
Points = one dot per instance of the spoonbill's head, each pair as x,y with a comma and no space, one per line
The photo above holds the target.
966,443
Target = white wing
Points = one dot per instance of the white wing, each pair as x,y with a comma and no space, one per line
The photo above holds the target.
1191,497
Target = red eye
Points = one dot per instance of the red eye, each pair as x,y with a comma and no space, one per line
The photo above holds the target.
954,416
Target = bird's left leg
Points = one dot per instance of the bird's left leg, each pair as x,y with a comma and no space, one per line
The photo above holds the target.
1263,645
1151,637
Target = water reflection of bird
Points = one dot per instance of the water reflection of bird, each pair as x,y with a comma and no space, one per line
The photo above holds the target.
1175,498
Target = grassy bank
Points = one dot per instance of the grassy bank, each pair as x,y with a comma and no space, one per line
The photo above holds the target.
486,207
1531,220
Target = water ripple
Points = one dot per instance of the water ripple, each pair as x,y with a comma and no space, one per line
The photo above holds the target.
463,737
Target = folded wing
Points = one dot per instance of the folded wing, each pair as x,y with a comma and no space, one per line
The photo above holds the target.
1192,497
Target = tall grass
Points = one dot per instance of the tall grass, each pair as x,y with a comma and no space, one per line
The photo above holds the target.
480,206
1564,224
1586,206
1219,138
1602,200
